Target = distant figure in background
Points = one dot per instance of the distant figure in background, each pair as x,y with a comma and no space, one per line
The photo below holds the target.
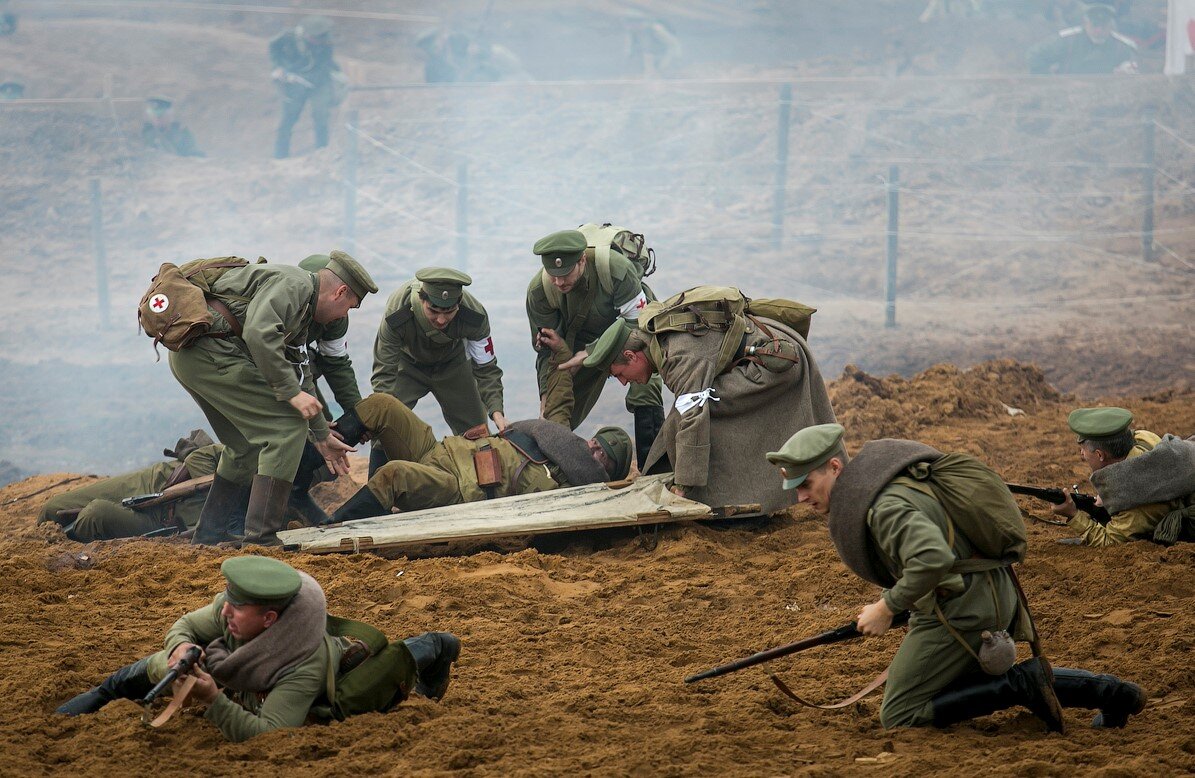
1095,47
304,70
8,20
12,90
161,131
453,56
652,47
950,8
444,54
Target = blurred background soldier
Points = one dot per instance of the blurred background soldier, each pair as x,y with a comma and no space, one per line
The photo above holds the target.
651,45
444,55
162,131
12,90
304,70
1094,47
8,20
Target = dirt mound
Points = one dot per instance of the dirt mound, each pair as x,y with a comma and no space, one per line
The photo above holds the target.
896,407
574,659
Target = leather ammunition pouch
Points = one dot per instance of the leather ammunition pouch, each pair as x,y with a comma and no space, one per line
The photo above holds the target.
489,470
477,433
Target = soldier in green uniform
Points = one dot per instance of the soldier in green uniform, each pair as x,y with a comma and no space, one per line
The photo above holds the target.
1106,439
304,71
328,349
1095,47
720,418
435,337
530,456
267,655
251,379
94,512
572,296
162,131
895,535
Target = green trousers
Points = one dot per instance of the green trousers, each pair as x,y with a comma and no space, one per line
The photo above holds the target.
262,435
453,386
101,517
418,474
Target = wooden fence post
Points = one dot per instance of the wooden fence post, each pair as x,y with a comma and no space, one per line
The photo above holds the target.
462,216
1147,216
782,126
350,184
893,222
101,258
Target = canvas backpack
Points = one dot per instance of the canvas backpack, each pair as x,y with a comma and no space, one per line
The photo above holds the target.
600,241
375,685
977,504
723,309
174,310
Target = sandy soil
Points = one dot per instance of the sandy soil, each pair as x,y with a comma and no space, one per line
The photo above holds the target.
573,660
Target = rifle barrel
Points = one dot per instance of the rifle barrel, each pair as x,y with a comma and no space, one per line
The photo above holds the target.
836,635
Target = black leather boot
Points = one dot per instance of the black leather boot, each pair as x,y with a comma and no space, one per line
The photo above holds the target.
362,505
350,427
302,503
1029,684
1115,699
434,653
308,474
377,458
266,515
223,512
130,682
649,420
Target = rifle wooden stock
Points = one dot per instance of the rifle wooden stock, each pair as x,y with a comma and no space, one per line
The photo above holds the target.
1084,502
181,667
170,494
837,635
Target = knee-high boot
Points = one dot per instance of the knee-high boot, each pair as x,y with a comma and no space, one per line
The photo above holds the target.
223,511
434,653
1115,699
130,682
362,505
267,511
1029,684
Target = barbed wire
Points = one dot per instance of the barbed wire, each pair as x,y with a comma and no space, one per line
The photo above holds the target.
1173,134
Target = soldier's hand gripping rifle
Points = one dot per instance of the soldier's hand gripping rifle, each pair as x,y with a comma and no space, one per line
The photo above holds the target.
845,632
180,668
1084,502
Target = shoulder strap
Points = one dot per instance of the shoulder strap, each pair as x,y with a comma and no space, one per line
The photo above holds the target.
470,317
555,298
866,690
222,309
399,318
601,261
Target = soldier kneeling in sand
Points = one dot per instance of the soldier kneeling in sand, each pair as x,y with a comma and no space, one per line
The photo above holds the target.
890,527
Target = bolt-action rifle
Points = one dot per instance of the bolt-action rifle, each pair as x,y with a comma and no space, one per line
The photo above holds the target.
845,632
1084,502
181,667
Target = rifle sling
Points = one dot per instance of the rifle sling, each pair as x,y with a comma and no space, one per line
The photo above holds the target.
875,683
176,703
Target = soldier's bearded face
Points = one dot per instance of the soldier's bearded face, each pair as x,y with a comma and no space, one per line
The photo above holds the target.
566,283
439,317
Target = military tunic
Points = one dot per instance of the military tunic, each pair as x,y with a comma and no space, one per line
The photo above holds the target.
174,138
328,347
908,530
423,473
102,517
716,446
240,716
584,314
1073,52
313,63
456,364
243,384
1133,524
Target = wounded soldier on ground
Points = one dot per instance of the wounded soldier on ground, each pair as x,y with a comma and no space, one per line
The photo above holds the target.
1146,483
530,456
96,512
271,656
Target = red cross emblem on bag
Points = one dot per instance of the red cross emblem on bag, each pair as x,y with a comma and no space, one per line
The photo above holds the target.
159,303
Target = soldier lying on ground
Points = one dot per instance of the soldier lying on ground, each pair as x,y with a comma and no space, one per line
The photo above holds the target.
529,456
269,645
1141,489
95,512
890,527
